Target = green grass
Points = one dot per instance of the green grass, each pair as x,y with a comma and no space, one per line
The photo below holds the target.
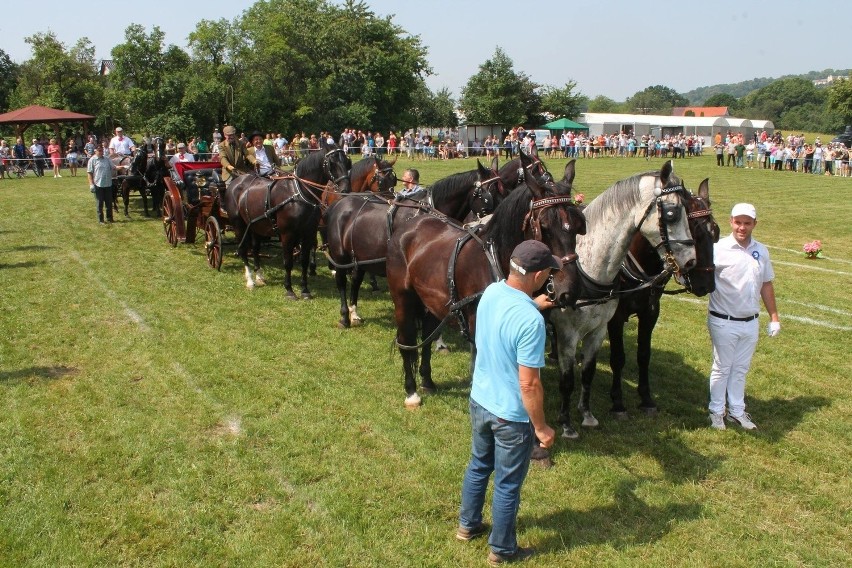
154,412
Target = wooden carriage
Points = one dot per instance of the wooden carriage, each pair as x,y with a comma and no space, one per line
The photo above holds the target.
192,203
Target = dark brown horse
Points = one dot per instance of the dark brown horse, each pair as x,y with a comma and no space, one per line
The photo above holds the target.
150,181
438,269
130,173
288,206
359,226
643,265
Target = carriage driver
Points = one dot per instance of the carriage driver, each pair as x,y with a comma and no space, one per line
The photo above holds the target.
232,155
121,145
261,156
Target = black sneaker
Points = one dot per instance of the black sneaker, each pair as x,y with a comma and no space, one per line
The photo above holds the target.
520,555
466,535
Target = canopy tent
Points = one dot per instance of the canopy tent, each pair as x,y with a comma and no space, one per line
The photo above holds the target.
23,118
565,124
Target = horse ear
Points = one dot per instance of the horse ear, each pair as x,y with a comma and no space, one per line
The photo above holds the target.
666,172
483,171
570,172
704,190
530,180
495,163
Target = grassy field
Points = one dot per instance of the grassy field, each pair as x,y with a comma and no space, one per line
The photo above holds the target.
153,412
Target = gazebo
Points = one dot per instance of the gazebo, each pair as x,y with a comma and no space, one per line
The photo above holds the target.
565,124
23,118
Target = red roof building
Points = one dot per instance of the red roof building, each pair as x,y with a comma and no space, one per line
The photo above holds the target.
700,111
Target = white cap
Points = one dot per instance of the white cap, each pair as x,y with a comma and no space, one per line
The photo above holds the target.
119,129
744,209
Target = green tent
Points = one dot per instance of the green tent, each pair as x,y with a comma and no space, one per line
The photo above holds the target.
565,124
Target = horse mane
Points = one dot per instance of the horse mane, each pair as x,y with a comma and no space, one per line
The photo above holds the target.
619,198
443,188
506,223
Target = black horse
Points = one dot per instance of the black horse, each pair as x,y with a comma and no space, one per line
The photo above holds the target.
130,173
359,226
155,174
288,206
643,262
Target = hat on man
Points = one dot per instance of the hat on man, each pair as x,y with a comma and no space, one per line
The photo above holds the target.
532,256
256,134
746,209
229,130
119,129
181,145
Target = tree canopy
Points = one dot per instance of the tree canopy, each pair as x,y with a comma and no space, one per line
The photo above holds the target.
497,94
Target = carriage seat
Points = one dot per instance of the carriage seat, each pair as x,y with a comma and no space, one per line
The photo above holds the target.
207,181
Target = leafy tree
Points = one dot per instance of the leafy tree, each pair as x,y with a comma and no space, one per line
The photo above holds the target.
497,94
655,100
603,104
215,71
840,99
8,79
777,101
722,100
148,82
563,102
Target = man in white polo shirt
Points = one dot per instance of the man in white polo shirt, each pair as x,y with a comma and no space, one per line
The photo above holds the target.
743,277
121,144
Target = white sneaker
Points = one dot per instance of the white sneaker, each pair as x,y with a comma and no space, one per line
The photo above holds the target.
743,421
717,421
58,175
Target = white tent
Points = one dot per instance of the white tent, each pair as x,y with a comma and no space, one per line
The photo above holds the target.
662,125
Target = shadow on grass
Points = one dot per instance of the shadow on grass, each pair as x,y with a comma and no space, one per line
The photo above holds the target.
25,248
24,264
627,522
37,373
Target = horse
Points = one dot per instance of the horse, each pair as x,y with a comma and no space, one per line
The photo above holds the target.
642,261
287,205
155,173
359,226
436,273
650,204
134,167
513,173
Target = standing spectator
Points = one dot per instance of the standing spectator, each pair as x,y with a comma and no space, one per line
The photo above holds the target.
392,142
5,154
507,399
744,276
101,170
379,142
731,150
203,148
818,158
217,137
191,146
720,153
120,144
72,157
37,152
20,152
170,147
750,155
739,149
54,150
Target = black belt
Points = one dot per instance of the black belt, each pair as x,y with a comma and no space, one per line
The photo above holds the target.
732,318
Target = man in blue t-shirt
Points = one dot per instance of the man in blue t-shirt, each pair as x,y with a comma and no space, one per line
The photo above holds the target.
507,398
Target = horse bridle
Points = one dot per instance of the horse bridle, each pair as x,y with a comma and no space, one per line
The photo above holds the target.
326,166
698,214
536,162
479,192
532,220
666,214
380,175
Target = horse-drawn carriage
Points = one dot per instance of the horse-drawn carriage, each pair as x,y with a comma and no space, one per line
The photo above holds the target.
193,202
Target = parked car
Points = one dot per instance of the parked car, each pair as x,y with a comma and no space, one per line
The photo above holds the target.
845,137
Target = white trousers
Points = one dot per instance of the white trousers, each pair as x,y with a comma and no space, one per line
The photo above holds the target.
734,343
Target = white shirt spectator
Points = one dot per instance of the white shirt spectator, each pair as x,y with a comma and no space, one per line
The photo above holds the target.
181,156
121,144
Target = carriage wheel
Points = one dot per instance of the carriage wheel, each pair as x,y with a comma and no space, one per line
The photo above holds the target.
213,243
169,221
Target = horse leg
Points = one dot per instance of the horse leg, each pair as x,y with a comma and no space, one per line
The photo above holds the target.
125,196
430,323
242,251
615,330
259,278
647,321
407,312
287,252
308,247
158,191
591,344
374,284
345,315
312,267
357,279
144,193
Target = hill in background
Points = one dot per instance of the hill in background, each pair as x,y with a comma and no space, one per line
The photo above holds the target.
741,89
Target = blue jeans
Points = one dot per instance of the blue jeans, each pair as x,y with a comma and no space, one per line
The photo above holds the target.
504,448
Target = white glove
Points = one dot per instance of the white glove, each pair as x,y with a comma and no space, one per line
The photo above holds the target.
92,188
773,329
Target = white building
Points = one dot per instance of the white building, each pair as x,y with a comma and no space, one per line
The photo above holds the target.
662,125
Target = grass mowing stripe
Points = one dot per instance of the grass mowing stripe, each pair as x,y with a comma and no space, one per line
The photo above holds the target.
811,267
799,253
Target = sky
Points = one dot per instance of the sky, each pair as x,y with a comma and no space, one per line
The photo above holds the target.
613,48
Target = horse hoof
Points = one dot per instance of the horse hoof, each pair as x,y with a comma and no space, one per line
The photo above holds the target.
443,349
413,401
259,282
649,410
539,453
290,295
307,296
543,463
250,285
620,415
342,325
357,322
589,421
569,433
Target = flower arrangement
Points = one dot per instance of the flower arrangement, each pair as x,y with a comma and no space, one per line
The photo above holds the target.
813,249
579,198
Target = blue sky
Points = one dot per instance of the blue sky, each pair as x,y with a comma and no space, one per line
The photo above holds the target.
611,48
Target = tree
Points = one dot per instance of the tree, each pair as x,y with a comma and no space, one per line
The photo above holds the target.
721,100
655,100
213,47
603,104
562,102
8,79
147,84
779,100
497,94
840,99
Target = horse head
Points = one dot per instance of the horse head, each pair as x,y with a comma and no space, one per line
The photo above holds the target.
139,162
487,191
514,172
384,178
555,220
665,223
701,279
337,166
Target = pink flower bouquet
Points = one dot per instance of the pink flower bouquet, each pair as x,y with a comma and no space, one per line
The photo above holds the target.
813,249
